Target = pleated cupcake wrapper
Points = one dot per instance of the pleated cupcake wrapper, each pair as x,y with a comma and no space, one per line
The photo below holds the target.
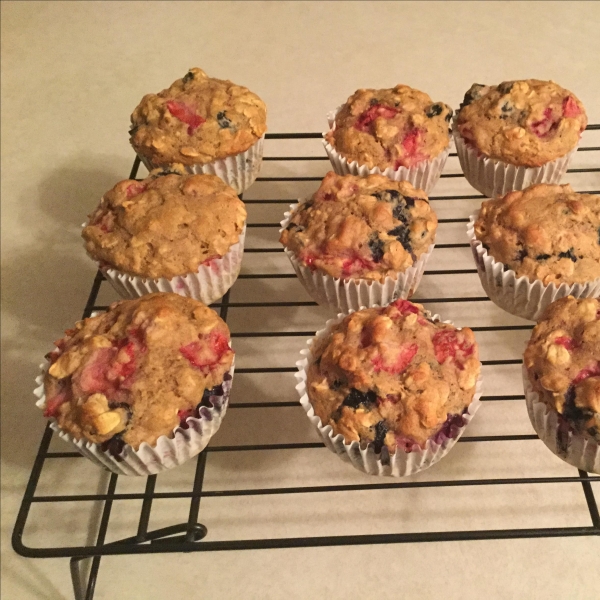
238,171
424,175
167,453
361,456
580,451
495,178
208,284
518,295
351,294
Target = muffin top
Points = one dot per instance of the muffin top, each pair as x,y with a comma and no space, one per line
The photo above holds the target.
197,120
137,370
361,227
545,232
392,377
395,128
563,362
166,225
526,123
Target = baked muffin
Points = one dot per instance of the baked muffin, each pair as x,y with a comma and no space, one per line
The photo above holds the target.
138,371
170,225
399,132
201,120
548,233
528,128
562,362
392,378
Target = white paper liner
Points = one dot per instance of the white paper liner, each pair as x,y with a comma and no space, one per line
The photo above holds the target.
424,175
518,295
581,452
238,171
343,295
208,284
363,457
150,460
495,178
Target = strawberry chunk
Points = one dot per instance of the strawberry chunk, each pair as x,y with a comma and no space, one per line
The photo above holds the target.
570,108
186,114
308,259
207,352
403,359
135,189
592,371
566,342
355,265
545,126
405,307
446,345
92,378
53,403
366,118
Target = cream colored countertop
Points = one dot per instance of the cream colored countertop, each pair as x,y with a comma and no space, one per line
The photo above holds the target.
71,74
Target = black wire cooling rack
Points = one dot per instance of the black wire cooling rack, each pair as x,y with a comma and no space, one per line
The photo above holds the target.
188,536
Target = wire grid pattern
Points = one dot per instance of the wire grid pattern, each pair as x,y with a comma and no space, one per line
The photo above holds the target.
188,535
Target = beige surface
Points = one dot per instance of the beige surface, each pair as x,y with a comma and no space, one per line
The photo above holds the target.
71,74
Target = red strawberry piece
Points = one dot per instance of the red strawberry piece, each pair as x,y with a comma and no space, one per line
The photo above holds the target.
399,365
569,343
184,414
592,371
356,264
135,189
447,345
92,378
367,117
206,352
405,307
53,403
406,444
308,259
186,114
410,142
545,126
570,108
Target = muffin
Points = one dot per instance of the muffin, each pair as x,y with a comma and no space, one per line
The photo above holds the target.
360,241
562,380
537,245
399,132
142,387
170,232
391,388
516,134
208,125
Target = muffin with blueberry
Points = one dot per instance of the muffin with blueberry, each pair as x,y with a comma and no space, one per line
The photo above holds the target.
399,132
173,231
209,125
360,241
562,380
391,388
537,245
143,386
516,134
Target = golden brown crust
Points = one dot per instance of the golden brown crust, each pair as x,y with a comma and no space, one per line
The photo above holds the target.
166,225
545,232
136,370
392,377
396,127
361,227
563,362
197,120
526,123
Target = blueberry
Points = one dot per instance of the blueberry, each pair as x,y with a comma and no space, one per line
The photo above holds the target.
506,268
223,121
471,95
376,247
569,254
504,88
373,102
114,445
402,234
409,200
506,107
387,196
381,430
216,391
189,76
124,405
399,212
355,398
543,256
434,110
521,254
165,171
571,411
227,377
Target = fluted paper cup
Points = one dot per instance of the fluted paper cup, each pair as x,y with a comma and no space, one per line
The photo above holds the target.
238,171
362,456
343,295
167,453
424,175
574,448
494,178
208,284
518,295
